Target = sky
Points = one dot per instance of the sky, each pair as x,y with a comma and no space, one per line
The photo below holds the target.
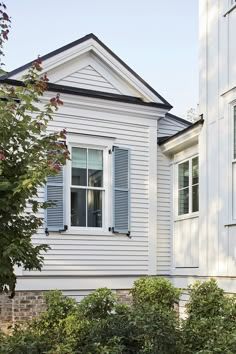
157,38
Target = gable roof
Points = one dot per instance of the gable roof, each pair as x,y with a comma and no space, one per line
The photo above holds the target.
182,120
82,40
191,126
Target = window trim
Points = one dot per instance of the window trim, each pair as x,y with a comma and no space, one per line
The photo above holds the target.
190,214
233,163
90,143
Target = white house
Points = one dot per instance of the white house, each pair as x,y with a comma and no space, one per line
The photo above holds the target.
112,223
146,192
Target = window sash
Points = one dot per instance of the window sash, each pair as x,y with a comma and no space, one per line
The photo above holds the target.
87,187
190,187
86,162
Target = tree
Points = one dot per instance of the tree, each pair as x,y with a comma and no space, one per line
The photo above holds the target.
28,155
192,115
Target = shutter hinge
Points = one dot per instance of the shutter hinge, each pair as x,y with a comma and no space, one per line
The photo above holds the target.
65,229
129,234
60,230
111,150
111,229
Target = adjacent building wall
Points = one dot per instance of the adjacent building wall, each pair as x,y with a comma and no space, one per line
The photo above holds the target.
217,98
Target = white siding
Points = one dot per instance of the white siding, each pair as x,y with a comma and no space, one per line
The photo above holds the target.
88,78
103,255
186,243
217,82
166,127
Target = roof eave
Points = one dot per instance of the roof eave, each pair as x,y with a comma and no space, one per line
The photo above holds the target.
182,140
91,93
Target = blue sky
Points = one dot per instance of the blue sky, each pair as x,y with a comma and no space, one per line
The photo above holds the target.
156,38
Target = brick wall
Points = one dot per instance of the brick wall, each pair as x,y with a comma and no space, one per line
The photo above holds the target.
24,306
29,304
124,296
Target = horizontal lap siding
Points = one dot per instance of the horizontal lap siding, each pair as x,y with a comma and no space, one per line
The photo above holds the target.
166,127
73,254
88,78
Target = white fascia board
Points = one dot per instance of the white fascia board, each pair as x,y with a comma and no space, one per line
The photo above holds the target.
60,58
124,73
107,58
102,105
182,142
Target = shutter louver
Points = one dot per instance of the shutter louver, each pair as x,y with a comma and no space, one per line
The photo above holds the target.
54,193
121,190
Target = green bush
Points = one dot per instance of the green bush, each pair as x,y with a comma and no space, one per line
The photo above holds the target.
100,325
210,326
154,330
99,304
154,290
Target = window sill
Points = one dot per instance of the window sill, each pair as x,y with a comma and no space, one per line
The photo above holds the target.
230,10
187,216
95,233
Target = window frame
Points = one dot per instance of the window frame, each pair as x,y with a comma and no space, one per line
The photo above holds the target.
233,162
98,144
87,187
190,213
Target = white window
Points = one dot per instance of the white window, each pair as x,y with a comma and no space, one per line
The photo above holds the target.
91,193
188,186
87,187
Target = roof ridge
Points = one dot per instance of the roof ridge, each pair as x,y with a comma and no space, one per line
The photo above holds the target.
79,41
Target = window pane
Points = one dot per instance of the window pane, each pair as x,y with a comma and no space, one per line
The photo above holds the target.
183,201
95,168
195,170
184,174
78,207
195,198
235,132
79,167
94,208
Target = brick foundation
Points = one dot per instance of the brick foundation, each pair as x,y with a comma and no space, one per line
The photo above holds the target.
124,296
25,306
29,304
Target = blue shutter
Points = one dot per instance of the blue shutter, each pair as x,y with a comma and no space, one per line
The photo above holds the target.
55,193
121,191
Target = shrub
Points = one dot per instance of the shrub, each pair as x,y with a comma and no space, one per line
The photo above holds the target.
153,320
210,326
99,304
154,290
100,325
154,329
